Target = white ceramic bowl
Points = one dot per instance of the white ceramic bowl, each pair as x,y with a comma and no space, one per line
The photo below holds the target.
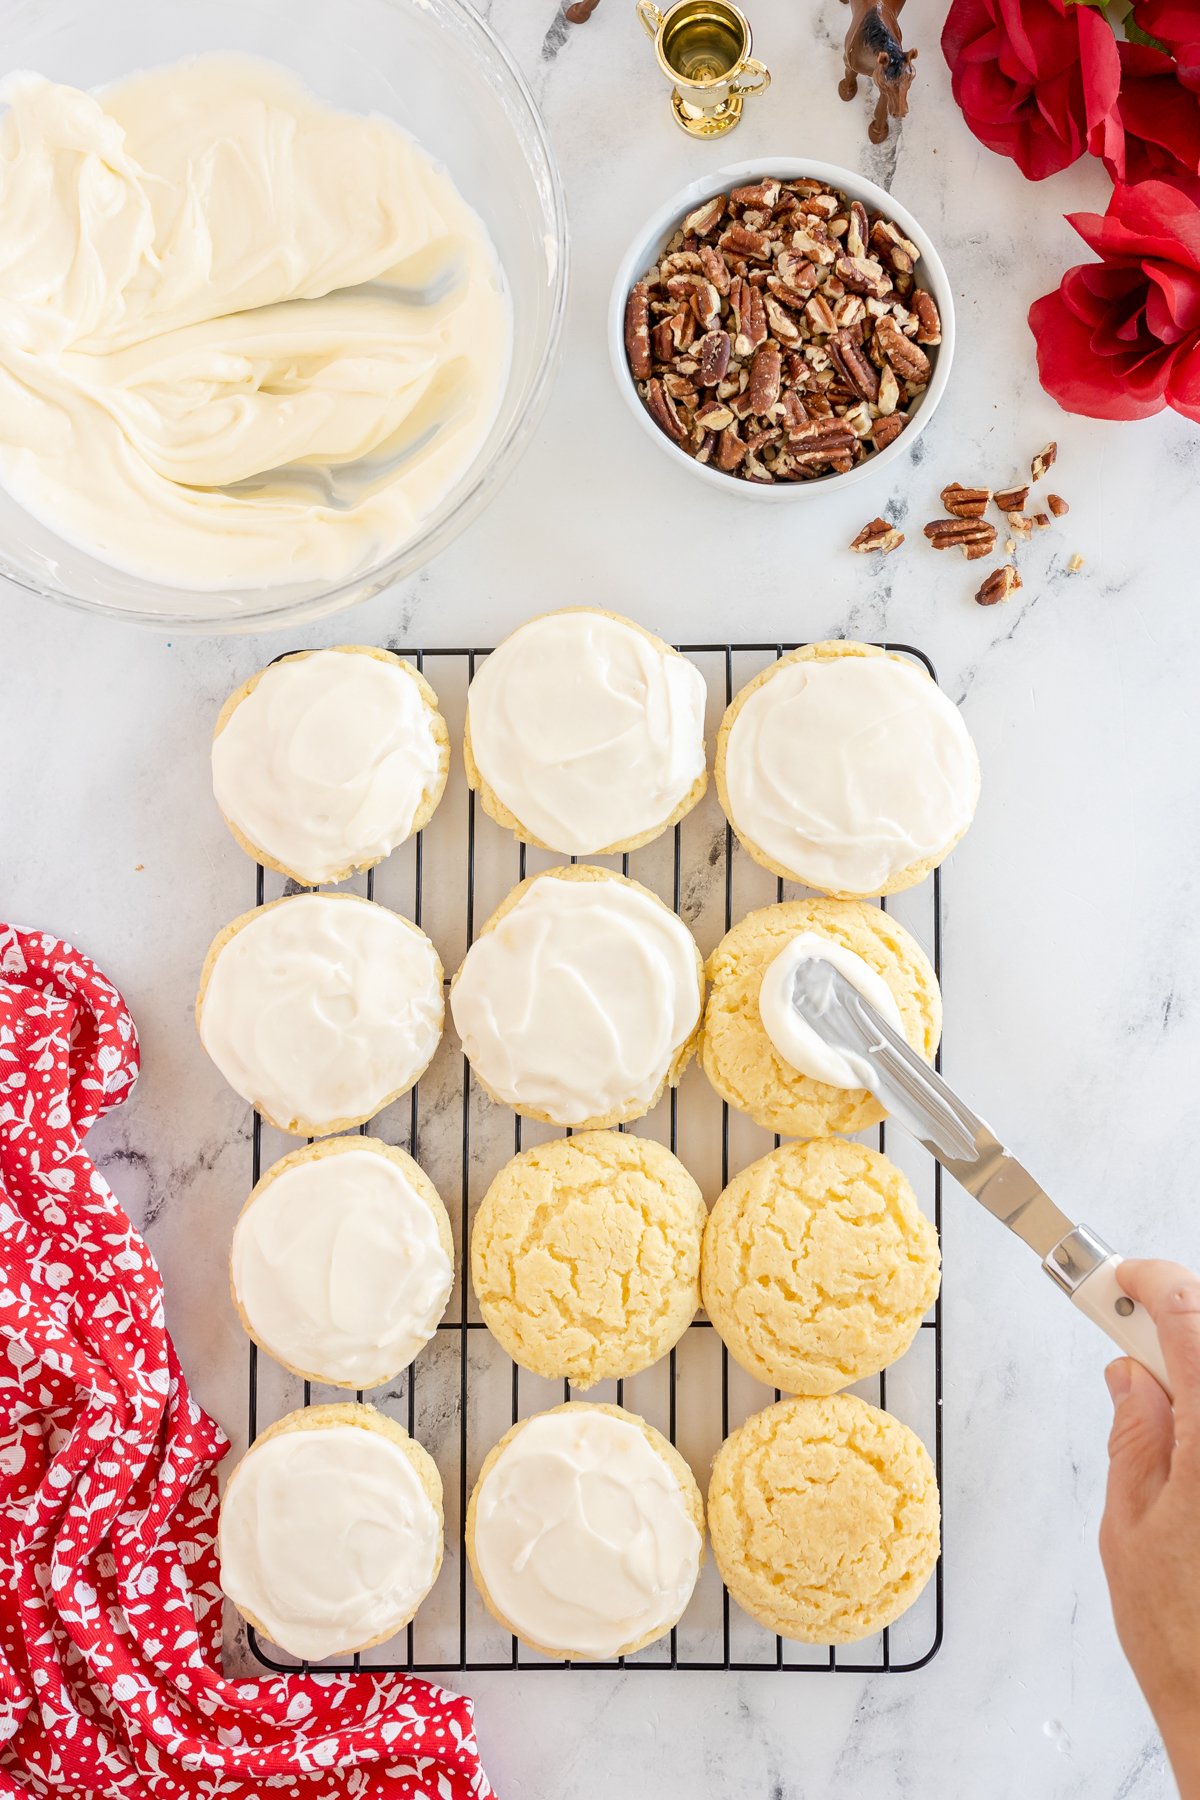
643,252
437,69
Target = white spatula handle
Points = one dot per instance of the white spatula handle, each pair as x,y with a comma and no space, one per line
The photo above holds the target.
1085,1268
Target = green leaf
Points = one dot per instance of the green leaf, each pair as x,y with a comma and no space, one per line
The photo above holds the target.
1135,35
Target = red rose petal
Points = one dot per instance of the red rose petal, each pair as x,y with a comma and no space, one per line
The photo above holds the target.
1074,375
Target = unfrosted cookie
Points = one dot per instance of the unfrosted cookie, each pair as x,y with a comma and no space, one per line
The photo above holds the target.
846,768
740,1058
580,1000
585,733
818,1266
585,1532
325,761
342,1261
320,1009
824,1518
585,1256
331,1530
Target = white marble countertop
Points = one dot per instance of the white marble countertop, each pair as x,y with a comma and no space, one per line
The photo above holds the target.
1073,984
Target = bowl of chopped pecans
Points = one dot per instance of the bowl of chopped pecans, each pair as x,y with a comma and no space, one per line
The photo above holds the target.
784,326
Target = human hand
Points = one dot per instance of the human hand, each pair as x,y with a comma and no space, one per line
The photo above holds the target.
1150,1532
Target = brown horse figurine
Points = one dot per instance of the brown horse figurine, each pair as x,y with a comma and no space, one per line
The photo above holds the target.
873,48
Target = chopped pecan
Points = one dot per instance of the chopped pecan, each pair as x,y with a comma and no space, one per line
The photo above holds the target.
886,430
762,194
1057,505
855,368
1075,564
819,314
765,373
1011,500
892,247
708,444
792,411
858,233
1042,461
753,246
906,358
715,268
714,416
822,440
714,358
663,411
750,315
1019,524
929,323
781,323
706,304
974,537
730,448
812,240
1041,520
998,585
863,275
706,218
637,332
680,262
878,535
965,502
888,397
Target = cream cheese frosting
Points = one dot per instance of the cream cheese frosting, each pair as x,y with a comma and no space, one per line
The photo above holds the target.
589,731
326,763
327,1538
850,769
582,1534
576,1002
209,275
798,1044
339,1267
322,1007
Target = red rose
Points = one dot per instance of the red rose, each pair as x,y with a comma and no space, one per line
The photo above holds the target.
1175,23
1159,120
1120,339
1036,80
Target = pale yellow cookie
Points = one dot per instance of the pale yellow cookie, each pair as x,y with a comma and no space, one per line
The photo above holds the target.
679,1481
585,1257
495,808
822,652
818,1266
430,796
348,1332
235,1576
682,1051
824,1518
739,1058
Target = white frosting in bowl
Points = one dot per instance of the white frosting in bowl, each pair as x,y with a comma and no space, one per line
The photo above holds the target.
798,1044
327,1539
582,1535
848,770
326,763
339,1267
208,276
322,1007
577,1002
589,731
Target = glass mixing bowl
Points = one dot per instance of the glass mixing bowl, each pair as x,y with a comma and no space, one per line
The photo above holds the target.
436,69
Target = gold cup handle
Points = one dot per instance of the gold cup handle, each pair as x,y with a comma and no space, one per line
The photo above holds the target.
753,67
650,16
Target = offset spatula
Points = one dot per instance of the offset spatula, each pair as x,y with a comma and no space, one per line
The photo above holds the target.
1078,1261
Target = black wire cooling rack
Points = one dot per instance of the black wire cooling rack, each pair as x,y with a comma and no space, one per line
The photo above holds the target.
463,1393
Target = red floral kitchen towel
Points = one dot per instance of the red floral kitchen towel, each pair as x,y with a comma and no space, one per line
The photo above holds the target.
110,1611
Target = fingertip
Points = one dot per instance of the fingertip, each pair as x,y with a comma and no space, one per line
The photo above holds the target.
1119,1377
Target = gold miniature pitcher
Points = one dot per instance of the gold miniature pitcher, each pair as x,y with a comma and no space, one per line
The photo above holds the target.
703,48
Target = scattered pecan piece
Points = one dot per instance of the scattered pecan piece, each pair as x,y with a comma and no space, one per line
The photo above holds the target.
1011,500
1057,505
1041,520
878,535
974,537
1019,524
637,332
1075,564
1042,461
998,585
965,502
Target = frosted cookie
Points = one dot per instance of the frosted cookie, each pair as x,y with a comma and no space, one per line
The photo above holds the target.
824,1518
320,1009
847,769
755,1049
585,1532
327,760
818,1266
331,1530
585,1256
581,998
342,1261
585,733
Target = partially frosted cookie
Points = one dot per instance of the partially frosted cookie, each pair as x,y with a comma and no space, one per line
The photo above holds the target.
327,760
581,998
320,1009
331,1530
342,1261
585,733
818,1266
585,1532
824,1518
585,1256
756,1051
847,769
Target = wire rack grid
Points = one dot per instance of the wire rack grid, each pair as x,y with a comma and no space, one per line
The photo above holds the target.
462,1392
